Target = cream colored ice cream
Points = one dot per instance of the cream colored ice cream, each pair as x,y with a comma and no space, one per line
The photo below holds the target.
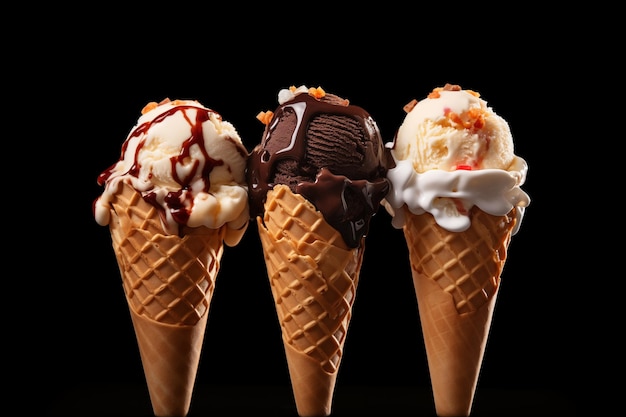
453,152
185,159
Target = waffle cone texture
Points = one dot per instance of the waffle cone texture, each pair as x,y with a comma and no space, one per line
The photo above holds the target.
456,277
313,277
168,281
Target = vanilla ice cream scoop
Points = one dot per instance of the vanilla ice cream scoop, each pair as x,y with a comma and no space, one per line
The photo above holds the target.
188,162
453,152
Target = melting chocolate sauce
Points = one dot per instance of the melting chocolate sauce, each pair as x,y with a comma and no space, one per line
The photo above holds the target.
346,203
178,208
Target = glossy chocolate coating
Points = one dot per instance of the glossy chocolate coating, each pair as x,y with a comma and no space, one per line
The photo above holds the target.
328,151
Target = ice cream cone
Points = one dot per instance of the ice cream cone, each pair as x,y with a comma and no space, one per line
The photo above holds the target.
168,281
456,277
313,276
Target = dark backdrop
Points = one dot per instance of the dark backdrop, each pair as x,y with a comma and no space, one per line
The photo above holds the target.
90,362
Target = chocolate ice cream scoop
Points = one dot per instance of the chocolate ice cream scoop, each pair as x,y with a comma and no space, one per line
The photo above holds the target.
328,151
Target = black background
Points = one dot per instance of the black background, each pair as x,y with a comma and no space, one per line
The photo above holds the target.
106,72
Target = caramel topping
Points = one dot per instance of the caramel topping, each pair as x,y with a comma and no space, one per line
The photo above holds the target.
451,87
149,106
153,104
265,116
410,105
475,119
318,92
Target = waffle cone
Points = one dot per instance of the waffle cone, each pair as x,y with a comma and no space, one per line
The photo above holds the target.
168,281
456,277
313,277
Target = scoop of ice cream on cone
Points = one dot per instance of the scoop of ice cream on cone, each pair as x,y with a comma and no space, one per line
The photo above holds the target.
172,201
315,181
187,162
455,192
326,149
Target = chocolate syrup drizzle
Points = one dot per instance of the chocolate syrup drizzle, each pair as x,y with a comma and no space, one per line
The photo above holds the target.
347,204
178,207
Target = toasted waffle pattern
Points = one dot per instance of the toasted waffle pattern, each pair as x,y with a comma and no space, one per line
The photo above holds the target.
167,278
468,264
313,276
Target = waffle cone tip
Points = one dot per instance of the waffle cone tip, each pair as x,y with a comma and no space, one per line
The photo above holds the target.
170,356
